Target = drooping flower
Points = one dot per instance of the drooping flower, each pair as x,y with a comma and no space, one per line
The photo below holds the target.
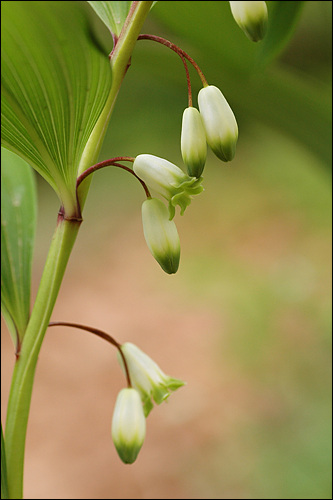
128,425
193,142
147,377
251,17
161,234
168,180
219,122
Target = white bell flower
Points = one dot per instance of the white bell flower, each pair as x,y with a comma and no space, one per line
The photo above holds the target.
251,17
128,425
168,180
147,377
161,234
219,122
193,142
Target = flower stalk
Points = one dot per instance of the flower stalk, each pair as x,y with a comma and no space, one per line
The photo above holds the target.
24,369
178,51
113,162
100,334
56,263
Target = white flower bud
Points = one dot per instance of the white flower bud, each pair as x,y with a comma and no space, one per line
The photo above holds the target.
147,377
251,17
128,425
168,180
193,142
219,122
161,234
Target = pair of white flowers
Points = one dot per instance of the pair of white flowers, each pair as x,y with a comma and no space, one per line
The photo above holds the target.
215,124
134,403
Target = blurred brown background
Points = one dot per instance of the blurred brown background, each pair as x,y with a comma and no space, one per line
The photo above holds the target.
245,321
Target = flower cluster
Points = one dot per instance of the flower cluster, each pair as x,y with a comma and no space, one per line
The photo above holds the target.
148,383
216,125
213,124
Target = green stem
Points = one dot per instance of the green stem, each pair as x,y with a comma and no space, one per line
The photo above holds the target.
120,62
59,253
4,481
25,366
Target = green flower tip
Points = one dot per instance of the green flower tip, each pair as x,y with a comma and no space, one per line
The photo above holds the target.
219,122
168,180
128,425
147,377
251,17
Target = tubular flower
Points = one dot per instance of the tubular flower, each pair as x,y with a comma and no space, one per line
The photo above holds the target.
168,180
193,142
128,425
219,122
251,17
161,234
147,377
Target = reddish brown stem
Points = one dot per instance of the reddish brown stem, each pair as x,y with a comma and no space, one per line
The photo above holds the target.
113,162
189,88
178,51
101,334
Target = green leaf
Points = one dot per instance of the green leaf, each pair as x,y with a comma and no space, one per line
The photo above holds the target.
18,222
4,483
113,14
55,82
282,20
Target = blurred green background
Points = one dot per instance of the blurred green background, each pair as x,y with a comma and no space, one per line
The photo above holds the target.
247,319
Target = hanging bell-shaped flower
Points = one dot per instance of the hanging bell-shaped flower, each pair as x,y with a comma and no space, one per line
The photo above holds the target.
147,377
168,180
219,122
193,142
128,425
161,234
251,17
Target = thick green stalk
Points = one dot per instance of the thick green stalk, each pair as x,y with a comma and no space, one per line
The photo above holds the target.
120,61
24,371
59,253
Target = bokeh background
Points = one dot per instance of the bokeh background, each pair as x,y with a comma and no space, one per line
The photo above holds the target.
246,321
